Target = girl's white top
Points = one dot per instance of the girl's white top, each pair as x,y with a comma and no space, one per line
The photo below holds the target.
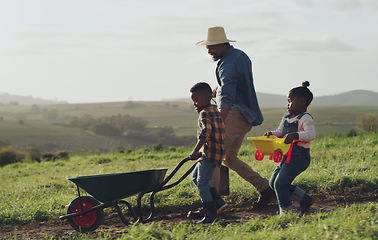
306,129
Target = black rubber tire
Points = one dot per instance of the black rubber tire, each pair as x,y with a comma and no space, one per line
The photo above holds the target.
88,222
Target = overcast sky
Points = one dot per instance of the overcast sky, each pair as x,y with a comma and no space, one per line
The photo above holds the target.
119,50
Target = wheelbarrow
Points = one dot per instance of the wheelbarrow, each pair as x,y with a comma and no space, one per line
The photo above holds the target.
85,213
272,145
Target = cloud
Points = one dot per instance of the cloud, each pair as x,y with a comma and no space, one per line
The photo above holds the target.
304,3
328,44
339,5
353,5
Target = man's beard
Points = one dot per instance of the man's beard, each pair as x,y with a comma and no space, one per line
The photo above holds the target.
215,58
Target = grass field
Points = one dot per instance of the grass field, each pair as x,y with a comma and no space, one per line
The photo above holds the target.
39,131
343,169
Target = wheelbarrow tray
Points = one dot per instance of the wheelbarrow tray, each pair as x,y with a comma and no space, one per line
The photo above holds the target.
110,187
269,145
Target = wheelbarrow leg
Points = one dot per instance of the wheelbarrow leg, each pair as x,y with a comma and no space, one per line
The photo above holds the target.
162,187
119,211
81,202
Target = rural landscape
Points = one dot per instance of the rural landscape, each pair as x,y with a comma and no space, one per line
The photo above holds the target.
41,145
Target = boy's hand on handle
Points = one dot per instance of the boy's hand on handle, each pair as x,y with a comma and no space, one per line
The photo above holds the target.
194,155
290,137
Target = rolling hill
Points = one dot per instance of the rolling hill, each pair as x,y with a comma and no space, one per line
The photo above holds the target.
6,98
351,98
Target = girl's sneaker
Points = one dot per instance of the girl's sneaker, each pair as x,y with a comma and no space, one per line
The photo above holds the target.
306,203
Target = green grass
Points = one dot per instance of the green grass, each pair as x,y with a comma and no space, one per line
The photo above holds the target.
340,166
355,222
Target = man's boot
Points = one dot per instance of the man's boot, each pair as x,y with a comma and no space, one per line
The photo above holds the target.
210,210
265,197
219,202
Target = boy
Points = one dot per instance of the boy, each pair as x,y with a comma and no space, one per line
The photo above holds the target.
211,136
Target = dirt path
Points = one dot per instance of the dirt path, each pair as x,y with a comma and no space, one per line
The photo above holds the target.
114,226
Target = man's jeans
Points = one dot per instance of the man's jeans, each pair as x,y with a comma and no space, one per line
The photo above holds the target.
236,129
284,174
201,177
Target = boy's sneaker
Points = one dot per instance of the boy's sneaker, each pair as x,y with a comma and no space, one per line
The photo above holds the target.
199,213
194,214
306,203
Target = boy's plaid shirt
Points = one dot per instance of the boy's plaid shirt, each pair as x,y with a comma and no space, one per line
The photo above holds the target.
211,128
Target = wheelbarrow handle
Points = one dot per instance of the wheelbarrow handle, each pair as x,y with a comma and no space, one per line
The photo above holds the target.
174,171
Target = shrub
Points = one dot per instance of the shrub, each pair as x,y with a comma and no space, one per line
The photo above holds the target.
117,149
33,154
171,149
100,159
10,155
48,157
63,155
367,123
352,133
158,147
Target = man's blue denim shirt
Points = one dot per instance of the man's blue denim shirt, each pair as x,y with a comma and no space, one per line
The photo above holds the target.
234,75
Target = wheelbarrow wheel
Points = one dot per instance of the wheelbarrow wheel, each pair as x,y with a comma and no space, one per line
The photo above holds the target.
259,155
89,221
277,156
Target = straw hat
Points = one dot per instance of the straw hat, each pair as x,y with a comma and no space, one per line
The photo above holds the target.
215,35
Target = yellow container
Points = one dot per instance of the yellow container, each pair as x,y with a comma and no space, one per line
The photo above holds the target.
268,145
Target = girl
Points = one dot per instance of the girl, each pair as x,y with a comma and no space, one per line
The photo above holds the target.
296,125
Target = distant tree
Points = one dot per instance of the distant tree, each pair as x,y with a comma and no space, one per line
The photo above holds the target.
127,122
84,122
163,133
20,117
51,115
35,109
114,125
104,129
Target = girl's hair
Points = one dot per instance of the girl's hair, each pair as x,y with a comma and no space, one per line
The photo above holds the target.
303,91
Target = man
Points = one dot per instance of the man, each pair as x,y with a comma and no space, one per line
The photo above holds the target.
238,106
